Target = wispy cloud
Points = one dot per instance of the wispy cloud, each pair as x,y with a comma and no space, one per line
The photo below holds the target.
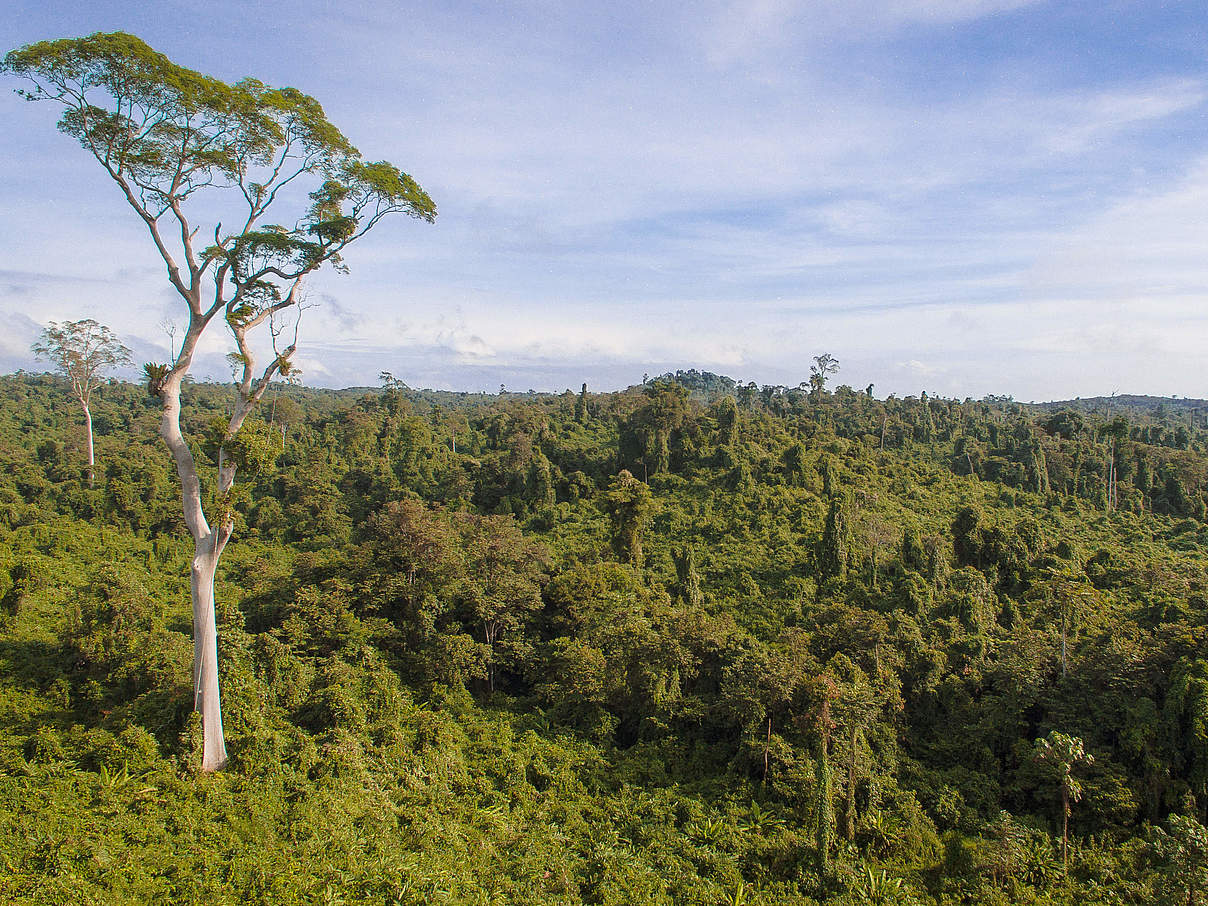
934,190
747,31
1097,117
1147,244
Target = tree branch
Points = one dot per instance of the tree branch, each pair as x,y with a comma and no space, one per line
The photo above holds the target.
188,293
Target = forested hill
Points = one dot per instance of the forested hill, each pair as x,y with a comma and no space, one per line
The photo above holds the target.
707,386
690,645
1157,406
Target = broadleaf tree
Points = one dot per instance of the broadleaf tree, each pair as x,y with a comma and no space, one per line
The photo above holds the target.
172,139
1062,754
85,352
824,366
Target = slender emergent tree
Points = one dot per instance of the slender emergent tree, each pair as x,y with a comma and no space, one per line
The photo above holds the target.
824,366
171,139
1062,754
85,352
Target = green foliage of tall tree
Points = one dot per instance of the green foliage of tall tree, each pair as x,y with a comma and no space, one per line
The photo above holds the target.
835,543
823,820
581,413
688,582
654,426
824,366
726,413
1186,712
629,504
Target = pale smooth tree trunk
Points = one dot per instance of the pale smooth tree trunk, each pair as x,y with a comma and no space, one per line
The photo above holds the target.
209,541
206,698
91,456
208,545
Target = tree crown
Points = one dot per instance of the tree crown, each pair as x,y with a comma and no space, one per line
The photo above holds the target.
165,133
83,351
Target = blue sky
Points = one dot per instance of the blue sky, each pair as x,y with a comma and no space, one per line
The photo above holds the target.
961,196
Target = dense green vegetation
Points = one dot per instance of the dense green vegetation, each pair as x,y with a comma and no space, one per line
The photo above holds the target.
697,642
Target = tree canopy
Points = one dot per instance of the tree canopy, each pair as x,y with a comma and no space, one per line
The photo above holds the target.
450,671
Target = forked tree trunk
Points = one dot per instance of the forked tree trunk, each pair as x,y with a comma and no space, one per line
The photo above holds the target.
208,545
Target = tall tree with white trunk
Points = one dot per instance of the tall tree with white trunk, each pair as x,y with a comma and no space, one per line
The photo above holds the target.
85,352
173,140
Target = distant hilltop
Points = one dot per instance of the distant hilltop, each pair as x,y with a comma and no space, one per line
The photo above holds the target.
708,384
1137,403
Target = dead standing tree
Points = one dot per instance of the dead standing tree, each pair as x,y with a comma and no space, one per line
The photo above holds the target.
166,135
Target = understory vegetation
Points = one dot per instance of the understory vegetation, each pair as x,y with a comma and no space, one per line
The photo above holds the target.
697,642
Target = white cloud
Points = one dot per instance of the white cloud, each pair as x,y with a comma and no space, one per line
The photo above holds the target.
947,11
1085,120
1152,244
740,188
742,28
467,348
919,369
745,31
